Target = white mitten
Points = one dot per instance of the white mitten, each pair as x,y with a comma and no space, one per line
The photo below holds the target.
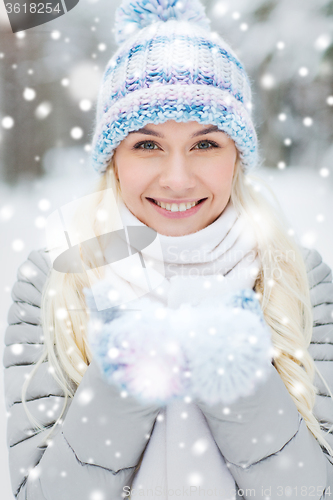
136,350
227,345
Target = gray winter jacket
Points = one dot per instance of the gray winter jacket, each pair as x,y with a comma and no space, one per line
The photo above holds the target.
93,454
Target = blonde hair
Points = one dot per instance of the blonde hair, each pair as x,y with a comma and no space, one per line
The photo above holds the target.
282,287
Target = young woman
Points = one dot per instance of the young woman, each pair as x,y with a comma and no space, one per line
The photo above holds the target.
183,346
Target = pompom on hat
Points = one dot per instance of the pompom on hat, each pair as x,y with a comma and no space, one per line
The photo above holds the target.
170,66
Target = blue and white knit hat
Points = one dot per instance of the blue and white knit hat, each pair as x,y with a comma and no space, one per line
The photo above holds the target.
170,66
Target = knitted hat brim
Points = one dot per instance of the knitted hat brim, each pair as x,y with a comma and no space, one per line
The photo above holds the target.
201,103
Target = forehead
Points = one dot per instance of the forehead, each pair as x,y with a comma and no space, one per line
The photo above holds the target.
193,129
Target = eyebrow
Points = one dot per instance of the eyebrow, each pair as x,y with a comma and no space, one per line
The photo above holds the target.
148,131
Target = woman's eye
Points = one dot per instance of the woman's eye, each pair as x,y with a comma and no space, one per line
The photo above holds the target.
152,146
148,145
206,144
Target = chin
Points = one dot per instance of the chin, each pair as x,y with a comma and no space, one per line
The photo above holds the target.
181,230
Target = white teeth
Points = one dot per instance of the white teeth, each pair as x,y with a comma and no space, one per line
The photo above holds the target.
174,207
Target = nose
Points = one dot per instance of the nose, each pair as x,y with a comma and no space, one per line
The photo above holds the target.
177,173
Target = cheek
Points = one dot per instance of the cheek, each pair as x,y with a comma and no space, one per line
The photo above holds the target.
221,178
133,178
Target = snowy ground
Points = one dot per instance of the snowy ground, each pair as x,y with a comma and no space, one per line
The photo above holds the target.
305,195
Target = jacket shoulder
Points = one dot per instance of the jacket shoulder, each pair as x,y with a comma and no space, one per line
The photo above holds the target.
321,345
35,269
318,271
27,290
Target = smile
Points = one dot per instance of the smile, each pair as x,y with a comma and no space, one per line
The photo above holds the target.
174,207
175,210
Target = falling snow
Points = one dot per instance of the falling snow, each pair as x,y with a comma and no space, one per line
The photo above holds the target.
77,133
29,94
43,110
7,122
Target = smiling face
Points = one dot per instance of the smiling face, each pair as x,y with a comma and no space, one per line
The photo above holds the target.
176,165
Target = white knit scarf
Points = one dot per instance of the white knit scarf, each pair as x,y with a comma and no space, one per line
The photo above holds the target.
181,458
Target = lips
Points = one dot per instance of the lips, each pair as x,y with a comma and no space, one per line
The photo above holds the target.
176,206
175,211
